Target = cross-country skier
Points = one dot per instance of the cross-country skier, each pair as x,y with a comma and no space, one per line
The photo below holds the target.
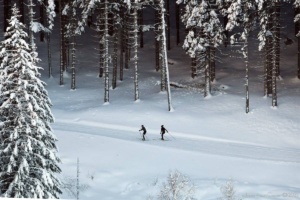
144,131
163,131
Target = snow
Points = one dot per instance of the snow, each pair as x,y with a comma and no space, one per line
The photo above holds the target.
211,140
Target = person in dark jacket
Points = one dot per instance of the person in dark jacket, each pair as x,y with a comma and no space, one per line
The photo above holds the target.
144,131
163,131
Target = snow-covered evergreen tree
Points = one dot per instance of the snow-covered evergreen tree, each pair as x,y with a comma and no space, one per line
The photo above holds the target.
297,21
205,32
242,13
28,153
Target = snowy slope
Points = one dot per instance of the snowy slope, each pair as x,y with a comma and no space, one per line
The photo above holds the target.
211,141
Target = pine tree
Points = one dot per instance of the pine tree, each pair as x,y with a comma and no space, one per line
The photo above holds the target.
28,153
205,33
297,21
240,13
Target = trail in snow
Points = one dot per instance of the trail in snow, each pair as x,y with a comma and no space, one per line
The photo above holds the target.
183,141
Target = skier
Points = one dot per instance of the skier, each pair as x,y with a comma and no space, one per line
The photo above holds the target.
163,131
144,131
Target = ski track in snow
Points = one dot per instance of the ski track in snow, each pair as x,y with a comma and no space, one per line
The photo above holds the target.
183,141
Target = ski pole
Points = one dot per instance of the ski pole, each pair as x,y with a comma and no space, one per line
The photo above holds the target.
172,136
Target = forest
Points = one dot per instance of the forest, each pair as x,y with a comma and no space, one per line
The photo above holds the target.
119,25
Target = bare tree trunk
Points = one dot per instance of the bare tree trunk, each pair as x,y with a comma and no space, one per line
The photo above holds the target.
106,68
194,67
100,30
126,24
165,56
6,12
135,36
90,20
30,18
21,8
141,23
226,32
73,82
297,24
73,43
49,55
177,7
157,48
207,73
298,57
277,37
269,56
168,24
274,58
247,73
42,34
115,54
163,62
297,28
61,80
121,41
212,64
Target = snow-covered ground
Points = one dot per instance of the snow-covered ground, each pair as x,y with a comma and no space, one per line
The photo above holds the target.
211,140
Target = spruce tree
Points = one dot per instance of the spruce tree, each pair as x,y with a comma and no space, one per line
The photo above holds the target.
28,153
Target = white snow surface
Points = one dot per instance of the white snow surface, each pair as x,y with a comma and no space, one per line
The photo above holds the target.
211,140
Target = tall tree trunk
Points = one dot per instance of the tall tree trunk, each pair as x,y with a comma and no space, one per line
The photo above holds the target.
297,28
115,53
207,73
157,48
21,8
106,67
126,29
165,56
297,24
6,12
277,37
73,43
121,41
162,54
135,36
42,34
274,56
269,54
73,82
212,64
177,10
194,67
49,55
298,57
90,20
100,31
61,80
141,23
246,52
226,32
30,18
168,24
